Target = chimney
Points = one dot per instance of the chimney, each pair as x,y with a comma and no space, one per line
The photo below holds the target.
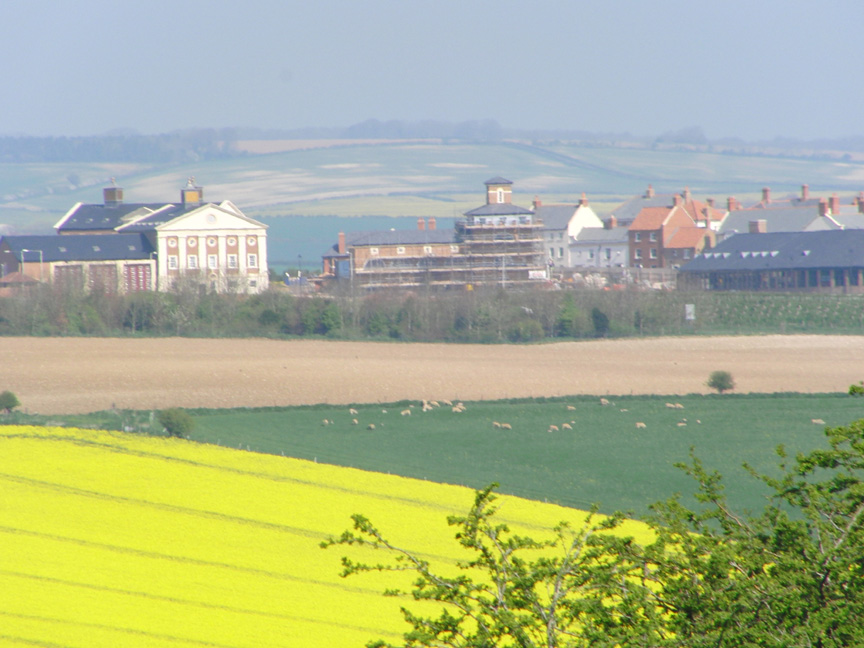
687,194
113,195
431,222
650,192
710,202
805,192
421,223
191,194
583,202
823,207
341,247
860,202
758,226
677,200
766,195
537,203
731,203
610,223
835,204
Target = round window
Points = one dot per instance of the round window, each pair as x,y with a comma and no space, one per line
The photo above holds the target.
192,242
211,241
211,218
172,242
232,241
251,241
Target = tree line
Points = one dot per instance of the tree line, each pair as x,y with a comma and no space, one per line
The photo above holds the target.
488,315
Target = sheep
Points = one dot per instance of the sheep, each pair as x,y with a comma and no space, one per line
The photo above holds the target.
566,426
506,426
571,408
434,403
679,406
355,422
817,421
682,424
496,424
670,405
447,403
427,408
371,426
352,412
640,425
553,428
405,412
327,422
458,410
604,401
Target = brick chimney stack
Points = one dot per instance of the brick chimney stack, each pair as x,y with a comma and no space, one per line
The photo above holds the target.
766,195
610,223
805,192
432,223
710,202
823,207
686,194
537,203
421,223
650,192
835,204
860,202
341,247
677,200
583,202
731,203
758,226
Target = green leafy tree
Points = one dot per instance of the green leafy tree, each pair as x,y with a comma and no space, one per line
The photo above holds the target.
577,588
791,576
721,381
176,421
8,401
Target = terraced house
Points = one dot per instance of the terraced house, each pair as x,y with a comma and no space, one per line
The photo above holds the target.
126,247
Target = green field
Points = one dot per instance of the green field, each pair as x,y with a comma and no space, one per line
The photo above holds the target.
604,459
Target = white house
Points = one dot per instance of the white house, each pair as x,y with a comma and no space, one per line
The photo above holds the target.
561,225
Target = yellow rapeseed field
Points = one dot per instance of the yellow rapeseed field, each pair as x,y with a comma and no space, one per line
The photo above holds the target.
112,539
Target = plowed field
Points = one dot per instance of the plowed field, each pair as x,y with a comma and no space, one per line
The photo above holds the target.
69,375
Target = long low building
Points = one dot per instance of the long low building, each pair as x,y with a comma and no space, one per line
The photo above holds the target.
822,261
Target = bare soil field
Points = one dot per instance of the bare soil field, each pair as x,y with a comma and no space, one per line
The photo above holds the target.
76,375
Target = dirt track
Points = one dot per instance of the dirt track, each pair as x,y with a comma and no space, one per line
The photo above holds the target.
66,375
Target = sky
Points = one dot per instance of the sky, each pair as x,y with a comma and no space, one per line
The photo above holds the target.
756,69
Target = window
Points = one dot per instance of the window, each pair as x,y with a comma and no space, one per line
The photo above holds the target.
500,195
211,241
637,236
212,261
454,248
591,254
608,253
686,254
637,254
560,253
427,249
551,252
400,250
373,251
653,253
232,260
172,262
192,262
253,261
652,236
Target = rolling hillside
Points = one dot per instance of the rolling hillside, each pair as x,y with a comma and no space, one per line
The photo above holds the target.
113,540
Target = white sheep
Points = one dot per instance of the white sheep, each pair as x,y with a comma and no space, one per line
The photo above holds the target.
640,425
604,401
506,426
371,426
817,421
405,412
553,428
571,408
352,412
355,422
496,424
566,426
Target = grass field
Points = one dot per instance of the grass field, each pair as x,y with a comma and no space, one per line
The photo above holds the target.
113,539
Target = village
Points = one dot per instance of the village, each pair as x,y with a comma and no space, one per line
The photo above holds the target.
801,243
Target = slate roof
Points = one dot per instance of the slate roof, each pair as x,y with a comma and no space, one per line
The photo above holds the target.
778,219
626,212
81,247
85,217
395,237
602,235
783,251
555,217
499,209
498,180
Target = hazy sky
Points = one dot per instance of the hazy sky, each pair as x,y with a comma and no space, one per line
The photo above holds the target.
754,69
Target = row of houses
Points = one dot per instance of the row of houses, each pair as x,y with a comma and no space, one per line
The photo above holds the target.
792,243
710,246
117,246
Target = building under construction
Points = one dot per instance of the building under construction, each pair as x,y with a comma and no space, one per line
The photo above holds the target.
498,243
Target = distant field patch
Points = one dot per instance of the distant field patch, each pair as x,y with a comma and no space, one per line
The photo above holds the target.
113,539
